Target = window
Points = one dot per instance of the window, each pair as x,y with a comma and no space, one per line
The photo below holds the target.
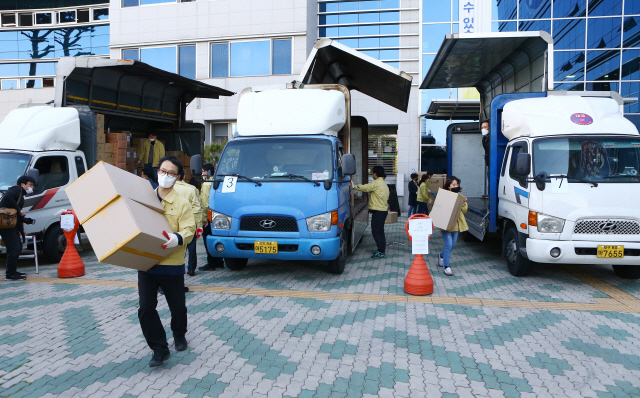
433,35
83,16
219,133
568,34
517,148
282,57
130,3
67,16
43,18
9,84
100,14
383,151
80,166
131,54
25,19
8,20
603,32
340,173
504,161
28,69
220,60
160,57
603,65
54,173
187,65
31,83
535,10
250,58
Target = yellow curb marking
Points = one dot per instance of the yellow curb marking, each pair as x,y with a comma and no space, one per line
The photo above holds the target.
624,303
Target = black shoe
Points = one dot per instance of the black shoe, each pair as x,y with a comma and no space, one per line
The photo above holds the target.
186,289
158,358
16,277
21,273
207,268
181,343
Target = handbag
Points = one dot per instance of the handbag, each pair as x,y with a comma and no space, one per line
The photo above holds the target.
9,217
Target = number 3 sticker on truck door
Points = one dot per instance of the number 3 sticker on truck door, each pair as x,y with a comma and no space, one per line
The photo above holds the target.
229,184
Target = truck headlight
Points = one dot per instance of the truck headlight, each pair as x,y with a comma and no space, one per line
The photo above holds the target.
549,224
322,222
220,221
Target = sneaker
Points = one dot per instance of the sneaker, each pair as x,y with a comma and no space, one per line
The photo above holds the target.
448,271
158,358
181,343
440,260
379,255
16,277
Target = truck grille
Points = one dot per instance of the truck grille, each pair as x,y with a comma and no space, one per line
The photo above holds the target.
607,227
268,224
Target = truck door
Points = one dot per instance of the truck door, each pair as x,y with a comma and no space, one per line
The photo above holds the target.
57,171
513,188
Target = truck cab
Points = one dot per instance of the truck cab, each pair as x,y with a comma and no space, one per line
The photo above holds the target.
283,188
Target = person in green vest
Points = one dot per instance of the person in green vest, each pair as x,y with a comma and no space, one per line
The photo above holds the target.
378,207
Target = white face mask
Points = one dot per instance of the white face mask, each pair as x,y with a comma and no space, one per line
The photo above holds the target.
152,139
29,190
165,181
484,132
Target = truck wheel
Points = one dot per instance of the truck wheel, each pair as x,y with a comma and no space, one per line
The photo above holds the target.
54,244
236,264
518,265
627,271
336,266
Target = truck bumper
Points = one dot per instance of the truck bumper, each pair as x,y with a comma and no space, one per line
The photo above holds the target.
288,249
539,251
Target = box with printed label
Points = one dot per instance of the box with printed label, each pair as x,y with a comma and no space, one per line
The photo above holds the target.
446,210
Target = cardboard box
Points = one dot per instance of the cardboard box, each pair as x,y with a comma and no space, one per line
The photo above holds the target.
108,148
446,209
103,184
127,233
120,152
105,157
392,217
99,119
101,148
100,136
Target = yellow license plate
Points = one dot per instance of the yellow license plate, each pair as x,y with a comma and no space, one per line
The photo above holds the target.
262,247
610,251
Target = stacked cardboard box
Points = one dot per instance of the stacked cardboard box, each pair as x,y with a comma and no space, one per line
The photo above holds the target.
120,141
122,217
100,128
185,160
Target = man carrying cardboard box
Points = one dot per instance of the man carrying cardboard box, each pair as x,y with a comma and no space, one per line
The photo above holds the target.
152,152
191,194
169,273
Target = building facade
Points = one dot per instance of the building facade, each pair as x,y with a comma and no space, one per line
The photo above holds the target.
248,43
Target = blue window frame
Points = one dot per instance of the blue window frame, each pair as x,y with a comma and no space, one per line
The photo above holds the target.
220,60
569,8
282,57
568,34
603,65
504,9
631,32
160,57
603,32
187,61
599,8
631,7
535,9
250,58
631,65
569,65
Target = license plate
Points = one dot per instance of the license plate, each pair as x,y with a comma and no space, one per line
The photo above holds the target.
262,247
610,251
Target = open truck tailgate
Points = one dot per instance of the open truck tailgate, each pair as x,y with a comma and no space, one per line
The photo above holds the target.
332,62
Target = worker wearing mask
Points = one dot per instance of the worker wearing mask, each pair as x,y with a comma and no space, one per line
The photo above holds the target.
450,238
212,262
152,152
191,194
169,273
378,207
13,198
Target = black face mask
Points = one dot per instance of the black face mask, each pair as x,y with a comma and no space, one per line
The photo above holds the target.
456,189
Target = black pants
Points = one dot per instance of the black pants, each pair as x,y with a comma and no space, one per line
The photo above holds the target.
193,258
152,329
12,242
423,208
211,261
377,229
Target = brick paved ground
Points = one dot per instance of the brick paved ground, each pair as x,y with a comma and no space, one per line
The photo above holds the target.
562,332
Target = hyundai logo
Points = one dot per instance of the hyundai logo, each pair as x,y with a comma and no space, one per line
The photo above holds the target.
267,224
608,226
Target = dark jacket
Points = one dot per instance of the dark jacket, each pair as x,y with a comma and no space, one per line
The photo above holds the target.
14,199
486,144
154,185
413,193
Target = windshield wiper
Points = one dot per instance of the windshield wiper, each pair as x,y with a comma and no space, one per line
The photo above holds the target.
299,177
595,184
241,177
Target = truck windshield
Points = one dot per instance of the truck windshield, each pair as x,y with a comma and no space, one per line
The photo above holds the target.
12,166
598,159
271,160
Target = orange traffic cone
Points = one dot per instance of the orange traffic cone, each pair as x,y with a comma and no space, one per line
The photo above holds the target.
71,264
418,281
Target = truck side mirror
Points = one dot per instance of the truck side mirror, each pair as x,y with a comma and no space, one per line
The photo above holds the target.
349,164
216,184
523,164
541,180
196,165
34,173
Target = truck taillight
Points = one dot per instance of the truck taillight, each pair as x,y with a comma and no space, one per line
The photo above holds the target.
209,212
334,217
533,218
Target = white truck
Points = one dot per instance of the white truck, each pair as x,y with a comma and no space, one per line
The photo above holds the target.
60,141
564,166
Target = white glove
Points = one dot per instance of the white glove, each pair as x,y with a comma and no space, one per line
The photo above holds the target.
172,242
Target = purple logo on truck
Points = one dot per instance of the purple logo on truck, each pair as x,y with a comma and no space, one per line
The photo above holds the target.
581,118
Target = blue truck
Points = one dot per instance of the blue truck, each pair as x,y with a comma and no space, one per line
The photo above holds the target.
283,188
